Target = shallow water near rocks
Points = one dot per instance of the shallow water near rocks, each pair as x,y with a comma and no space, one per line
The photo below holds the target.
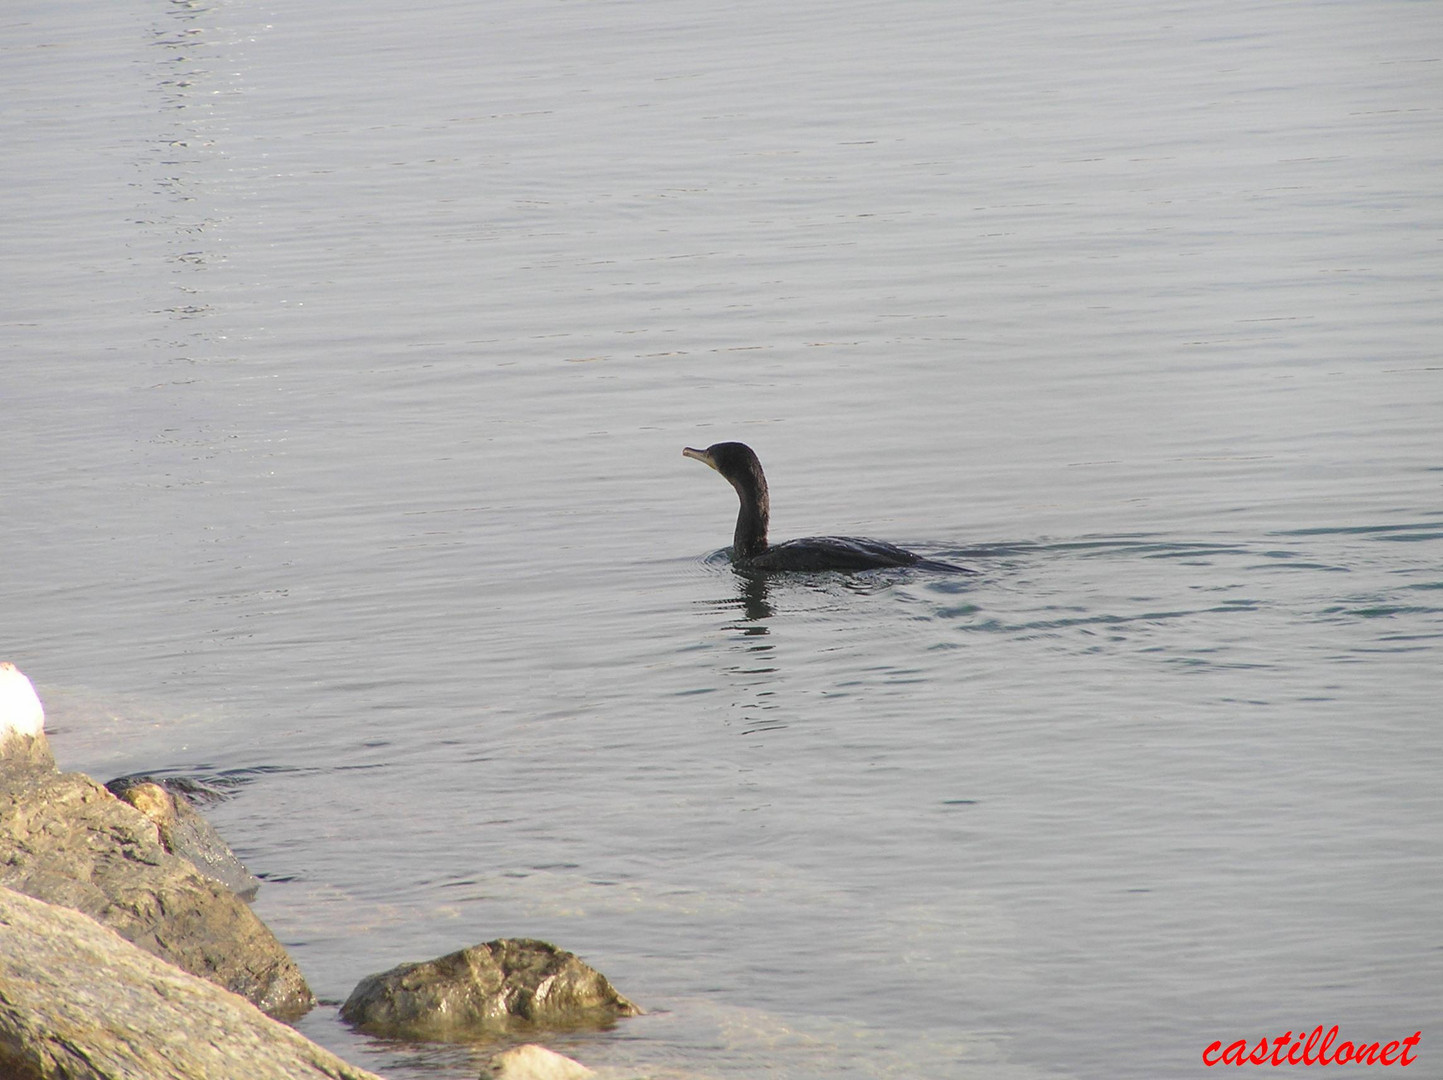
346,361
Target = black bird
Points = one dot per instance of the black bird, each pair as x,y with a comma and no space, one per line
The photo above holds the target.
740,468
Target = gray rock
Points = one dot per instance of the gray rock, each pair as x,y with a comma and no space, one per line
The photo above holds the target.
25,751
532,1062
184,832
81,1003
66,840
512,983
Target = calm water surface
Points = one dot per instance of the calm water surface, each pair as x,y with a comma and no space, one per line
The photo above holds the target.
346,357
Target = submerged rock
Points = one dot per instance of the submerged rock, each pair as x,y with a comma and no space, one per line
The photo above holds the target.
184,832
511,982
81,1003
532,1062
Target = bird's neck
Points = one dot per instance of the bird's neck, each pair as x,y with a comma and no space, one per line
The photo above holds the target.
750,539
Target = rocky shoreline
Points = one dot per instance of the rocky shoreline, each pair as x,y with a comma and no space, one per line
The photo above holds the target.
81,1001
129,949
66,840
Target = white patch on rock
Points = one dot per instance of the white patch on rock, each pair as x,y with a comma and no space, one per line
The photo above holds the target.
20,710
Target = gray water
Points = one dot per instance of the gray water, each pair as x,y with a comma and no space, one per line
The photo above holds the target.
346,356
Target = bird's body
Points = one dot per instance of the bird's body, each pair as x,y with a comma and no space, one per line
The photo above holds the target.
837,553
739,466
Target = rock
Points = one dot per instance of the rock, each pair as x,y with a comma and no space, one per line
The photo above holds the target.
532,1062
22,722
512,982
81,1003
66,840
184,832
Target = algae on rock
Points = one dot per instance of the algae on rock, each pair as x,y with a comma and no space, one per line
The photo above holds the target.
510,983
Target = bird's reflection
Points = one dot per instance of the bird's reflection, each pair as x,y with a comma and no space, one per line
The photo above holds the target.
755,602
751,602
755,663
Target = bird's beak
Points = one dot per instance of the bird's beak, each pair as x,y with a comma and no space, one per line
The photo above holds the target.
699,455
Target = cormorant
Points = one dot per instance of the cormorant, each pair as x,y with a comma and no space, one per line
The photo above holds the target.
740,468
